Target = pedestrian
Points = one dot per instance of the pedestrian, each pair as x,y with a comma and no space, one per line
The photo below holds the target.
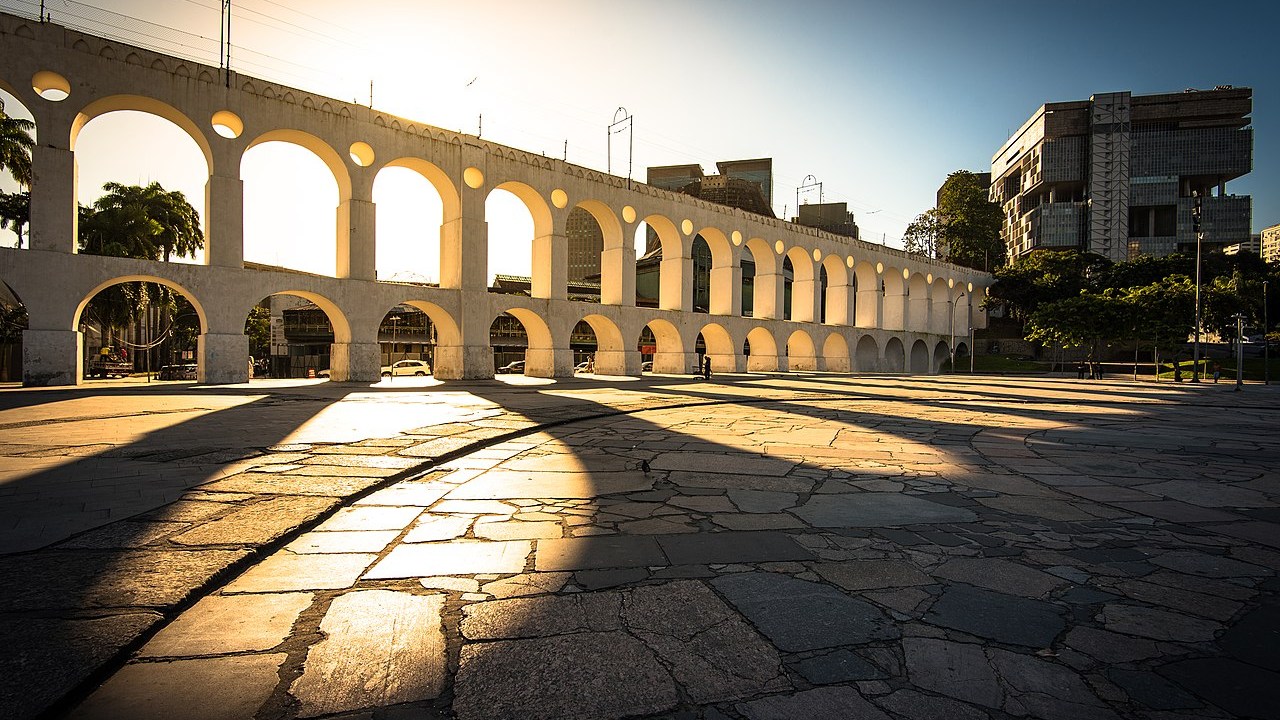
706,368
591,363
1217,372
1080,370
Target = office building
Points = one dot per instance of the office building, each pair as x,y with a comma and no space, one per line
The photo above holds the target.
1119,174
1270,242
834,218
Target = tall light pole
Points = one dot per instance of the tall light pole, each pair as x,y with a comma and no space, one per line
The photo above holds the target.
629,121
1195,225
1239,352
1266,344
955,300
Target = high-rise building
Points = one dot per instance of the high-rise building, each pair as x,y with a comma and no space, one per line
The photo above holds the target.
835,218
1271,244
586,242
1119,174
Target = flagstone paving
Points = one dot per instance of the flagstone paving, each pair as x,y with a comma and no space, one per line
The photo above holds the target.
829,548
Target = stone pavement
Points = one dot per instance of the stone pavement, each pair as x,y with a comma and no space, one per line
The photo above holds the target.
754,547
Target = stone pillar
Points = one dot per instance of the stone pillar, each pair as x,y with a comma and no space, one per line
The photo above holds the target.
726,290
52,357
917,314
355,362
768,294
224,221
804,301
618,276
448,363
676,286
868,307
548,362
474,322
894,311
53,199
224,358
941,316
837,305
550,267
357,247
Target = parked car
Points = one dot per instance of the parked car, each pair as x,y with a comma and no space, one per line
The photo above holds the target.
646,366
418,368
179,372
512,368
581,367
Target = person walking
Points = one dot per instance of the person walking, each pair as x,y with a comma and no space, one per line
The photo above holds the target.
706,367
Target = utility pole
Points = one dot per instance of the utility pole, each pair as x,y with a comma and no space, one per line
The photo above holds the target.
224,41
1266,344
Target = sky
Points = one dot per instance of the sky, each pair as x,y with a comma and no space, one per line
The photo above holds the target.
878,101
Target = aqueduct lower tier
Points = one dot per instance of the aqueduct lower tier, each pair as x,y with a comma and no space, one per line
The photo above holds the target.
854,306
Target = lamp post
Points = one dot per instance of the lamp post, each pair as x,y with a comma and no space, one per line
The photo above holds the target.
1195,223
1239,352
1266,344
955,300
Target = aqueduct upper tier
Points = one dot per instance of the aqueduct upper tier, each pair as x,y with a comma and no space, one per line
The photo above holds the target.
878,309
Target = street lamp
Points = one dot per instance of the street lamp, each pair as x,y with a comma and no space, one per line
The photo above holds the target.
1195,224
1266,344
1239,352
955,300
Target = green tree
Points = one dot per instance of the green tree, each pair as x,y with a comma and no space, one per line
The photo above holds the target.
1044,277
1088,320
141,222
1163,313
15,147
970,222
258,327
923,234
15,213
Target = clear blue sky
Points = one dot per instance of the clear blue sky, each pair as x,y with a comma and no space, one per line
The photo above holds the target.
878,100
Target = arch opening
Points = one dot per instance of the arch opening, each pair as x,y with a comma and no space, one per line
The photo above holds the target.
406,343
291,203
409,224
522,344
919,358
867,355
895,356
297,334
717,344
761,350
801,354
13,322
835,353
170,172
140,324
586,244
610,356
941,357
662,349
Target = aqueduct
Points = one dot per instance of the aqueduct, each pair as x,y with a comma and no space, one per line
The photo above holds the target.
885,310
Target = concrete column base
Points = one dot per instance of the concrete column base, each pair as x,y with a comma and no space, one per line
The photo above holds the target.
355,362
476,362
617,362
447,363
224,358
52,357
548,362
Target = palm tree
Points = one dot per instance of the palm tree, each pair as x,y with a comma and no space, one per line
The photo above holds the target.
141,222
15,147
15,212
149,223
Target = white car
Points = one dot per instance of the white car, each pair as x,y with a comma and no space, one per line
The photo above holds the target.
407,367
